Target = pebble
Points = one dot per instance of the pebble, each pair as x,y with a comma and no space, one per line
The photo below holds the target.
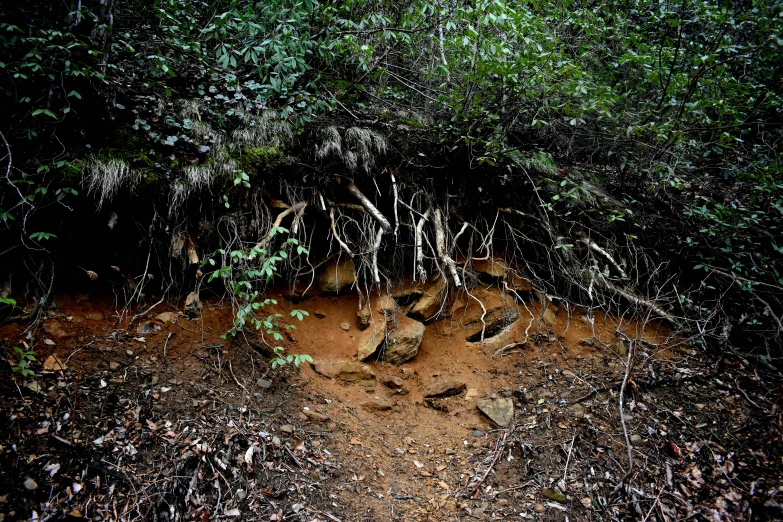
451,451
276,441
345,326
636,437
263,383
114,365
539,508
478,433
287,428
314,415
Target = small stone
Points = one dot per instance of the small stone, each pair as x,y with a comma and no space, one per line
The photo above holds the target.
445,388
577,410
166,317
345,326
589,341
501,411
472,392
636,437
314,415
154,379
276,441
263,383
114,365
451,451
348,371
394,382
539,508
619,348
129,353
586,502
549,317
193,303
478,433
54,364
319,314
30,484
287,428
379,403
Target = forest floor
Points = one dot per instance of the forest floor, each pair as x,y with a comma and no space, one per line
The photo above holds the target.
166,420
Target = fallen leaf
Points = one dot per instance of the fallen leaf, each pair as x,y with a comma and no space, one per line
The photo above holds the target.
53,364
551,494
49,342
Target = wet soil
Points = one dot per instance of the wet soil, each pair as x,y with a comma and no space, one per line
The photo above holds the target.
165,420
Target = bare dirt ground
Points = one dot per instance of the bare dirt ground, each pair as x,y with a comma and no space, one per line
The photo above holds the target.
167,421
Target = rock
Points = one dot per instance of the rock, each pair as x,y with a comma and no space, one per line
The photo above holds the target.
345,326
518,283
492,267
539,508
478,433
319,314
586,502
370,340
33,385
386,306
636,437
450,451
501,411
114,365
54,328
54,364
492,344
337,277
314,415
166,317
193,303
577,410
348,371
287,428
589,341
444,388
403,341
30,484
379,403
394,382
263,383
472,392
363,318
549,317
429,304
94,316
619,348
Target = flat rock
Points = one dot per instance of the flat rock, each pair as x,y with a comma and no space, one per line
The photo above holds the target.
54,328
193,303
492,267
379,403
337,276
500,411
314,415
492,344
394,382
370,340
549,317
54,364
348,371
429,304
445,388
166,317
345,326
263,383
403,341
287,428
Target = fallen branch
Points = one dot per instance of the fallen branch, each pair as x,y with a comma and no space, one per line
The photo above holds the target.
498,451
626,377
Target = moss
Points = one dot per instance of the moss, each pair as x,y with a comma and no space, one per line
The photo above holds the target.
259,159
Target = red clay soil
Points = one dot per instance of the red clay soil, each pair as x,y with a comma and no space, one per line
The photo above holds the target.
168,421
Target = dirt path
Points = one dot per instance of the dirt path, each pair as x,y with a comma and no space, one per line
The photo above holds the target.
171,422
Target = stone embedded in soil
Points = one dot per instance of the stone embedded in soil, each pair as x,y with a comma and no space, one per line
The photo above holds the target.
348,371
193,303
396,384
314,415
539,508
478,433
403,341
287,428
429,304
503,338
54,328
549,317
337,277
500,411
379,403
345,326
263,383
114,365
363,318
444,388
166,317
370,340
636,437
492,267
